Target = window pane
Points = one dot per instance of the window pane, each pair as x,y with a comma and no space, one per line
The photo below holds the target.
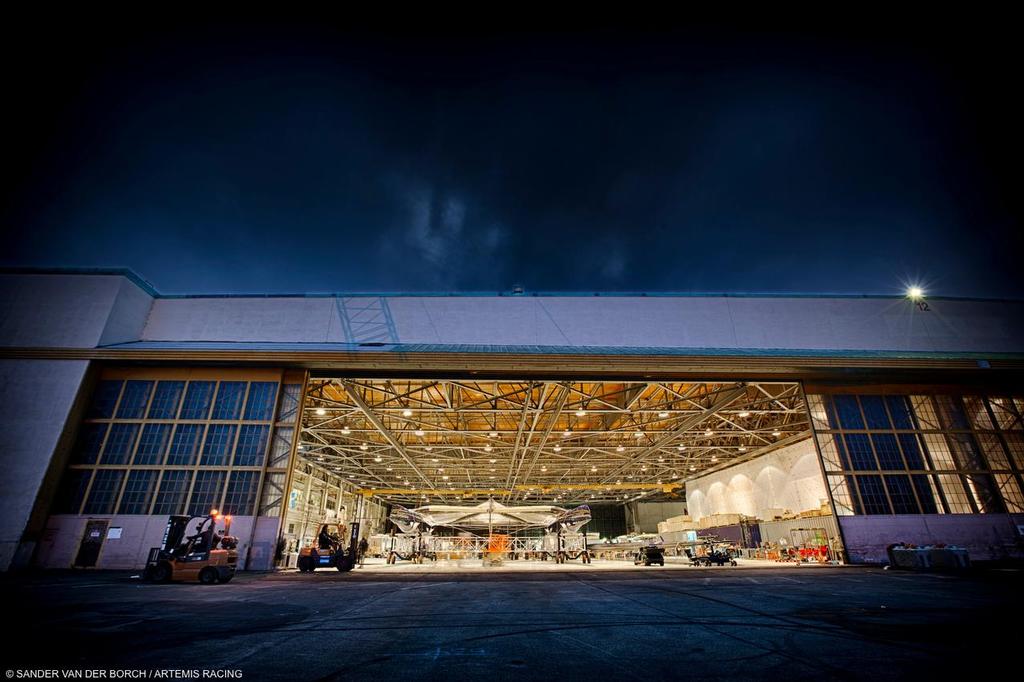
72,491
912,451
874,412
104,400
120,443
901,494
888,452
859,450
976,412
173,488
956,494
281,448
1015,442
899,408
290,402
104,491
848,411
229,400
938,449
153,444
1005,414
217,448
926,493
1010,490
965,451
90,440
924,411
241,493
272,495
133,402
841,495
951,413
993,449
197,400
986,497
138,492
872,495
206,492
260,406
252,445
166,399
185,444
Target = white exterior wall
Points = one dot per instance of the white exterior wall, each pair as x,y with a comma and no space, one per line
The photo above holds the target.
36,397
674,322
70,311
788,478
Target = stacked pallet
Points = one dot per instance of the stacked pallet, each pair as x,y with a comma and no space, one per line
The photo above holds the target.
675,524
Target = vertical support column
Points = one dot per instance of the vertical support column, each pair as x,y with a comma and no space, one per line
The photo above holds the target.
292,457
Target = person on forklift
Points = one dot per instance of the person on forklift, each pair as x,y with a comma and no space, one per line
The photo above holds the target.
326,539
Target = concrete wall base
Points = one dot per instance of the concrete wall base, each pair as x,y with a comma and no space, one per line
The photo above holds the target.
987,537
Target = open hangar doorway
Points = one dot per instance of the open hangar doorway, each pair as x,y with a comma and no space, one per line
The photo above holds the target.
691,466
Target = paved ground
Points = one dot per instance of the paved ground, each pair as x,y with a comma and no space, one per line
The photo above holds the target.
650,624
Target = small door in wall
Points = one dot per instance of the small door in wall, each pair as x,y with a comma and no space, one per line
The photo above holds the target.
92,542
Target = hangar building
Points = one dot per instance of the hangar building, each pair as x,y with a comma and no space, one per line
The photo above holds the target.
882,418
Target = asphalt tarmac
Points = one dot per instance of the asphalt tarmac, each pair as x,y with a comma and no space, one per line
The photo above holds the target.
636,624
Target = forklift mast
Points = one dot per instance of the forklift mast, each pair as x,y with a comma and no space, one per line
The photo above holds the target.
174,532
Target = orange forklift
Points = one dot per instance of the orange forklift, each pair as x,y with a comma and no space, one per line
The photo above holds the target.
328,550
204,555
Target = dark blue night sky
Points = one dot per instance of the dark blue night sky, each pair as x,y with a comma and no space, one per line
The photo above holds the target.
236,157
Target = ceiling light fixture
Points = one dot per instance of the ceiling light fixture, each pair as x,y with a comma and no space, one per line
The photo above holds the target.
321,411
620,449
345,431
407,412
663,415
581,413
364,446
776,433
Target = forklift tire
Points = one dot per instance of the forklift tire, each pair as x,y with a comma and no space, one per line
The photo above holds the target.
161,573
227,578
208,576
304,564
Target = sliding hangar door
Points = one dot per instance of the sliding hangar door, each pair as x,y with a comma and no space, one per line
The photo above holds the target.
284,450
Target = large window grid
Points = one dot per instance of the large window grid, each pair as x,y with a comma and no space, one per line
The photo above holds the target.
169,446
910,454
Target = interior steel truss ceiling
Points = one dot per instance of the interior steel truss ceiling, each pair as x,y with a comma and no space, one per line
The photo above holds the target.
564,441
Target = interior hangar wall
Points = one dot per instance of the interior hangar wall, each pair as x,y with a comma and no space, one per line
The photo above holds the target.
788,478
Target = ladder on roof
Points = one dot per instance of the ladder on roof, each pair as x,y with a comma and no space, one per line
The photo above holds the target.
366,319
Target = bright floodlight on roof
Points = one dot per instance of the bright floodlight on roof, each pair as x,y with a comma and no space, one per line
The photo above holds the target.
915,293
